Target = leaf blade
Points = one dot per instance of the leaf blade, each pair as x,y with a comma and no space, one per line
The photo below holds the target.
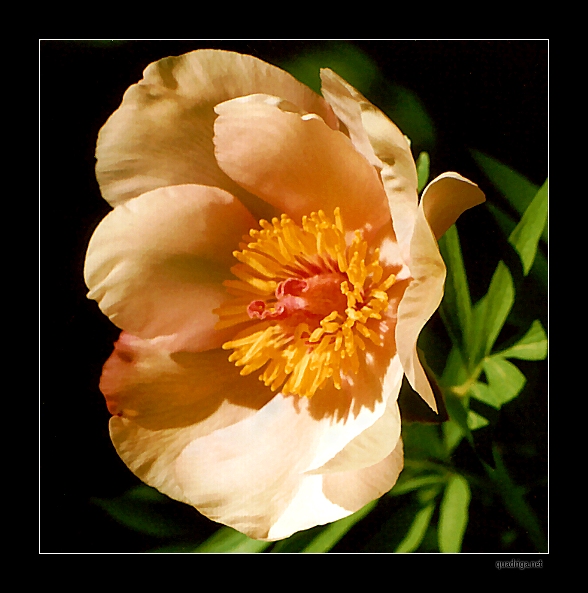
417,530
526,235
331,534
453,514
532,346
456,307
228,540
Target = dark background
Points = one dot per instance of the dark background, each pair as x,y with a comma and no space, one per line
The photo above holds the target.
487,95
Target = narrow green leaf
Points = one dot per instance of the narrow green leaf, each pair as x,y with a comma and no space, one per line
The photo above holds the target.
227,540
525,237
476,421
516,188
456,308
453,514
421,441
403,486
456,370
331,534
452,435
423,164
504,378
458,412
355,66
145,510
417,530
491,311
507,224
532,346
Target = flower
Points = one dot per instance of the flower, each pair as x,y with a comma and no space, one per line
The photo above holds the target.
257,374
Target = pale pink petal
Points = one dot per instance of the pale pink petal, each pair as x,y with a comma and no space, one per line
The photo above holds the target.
446,198
162,132
354,489
297,163
420,300
385,147
163,401
156,263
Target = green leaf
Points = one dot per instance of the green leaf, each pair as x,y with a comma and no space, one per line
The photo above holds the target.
455,371
355,66
532,346
491,311
456,307
458,412
452,434
403,486
504,378
417,530
331,534
453,514
476,421
507,224
482,392
525,237
423,164
145,510
227,540
516,188
408,112
421,441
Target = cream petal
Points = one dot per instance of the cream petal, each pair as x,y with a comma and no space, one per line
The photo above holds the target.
325,498
297,163
245,475
385,147
352,490
155,264
251,474
257,475
379,440
446,198
162,132
420,300
166,400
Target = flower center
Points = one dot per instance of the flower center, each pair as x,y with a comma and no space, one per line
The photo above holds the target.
311,299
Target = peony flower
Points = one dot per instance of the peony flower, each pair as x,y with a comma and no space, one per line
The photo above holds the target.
271,268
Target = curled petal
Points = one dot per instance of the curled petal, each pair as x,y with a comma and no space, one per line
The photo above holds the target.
420,300
446,198
383,144
297,163
156,263
332,496
162,132
355,488
377,441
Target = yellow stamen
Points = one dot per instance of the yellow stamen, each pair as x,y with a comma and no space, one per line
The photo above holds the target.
289,277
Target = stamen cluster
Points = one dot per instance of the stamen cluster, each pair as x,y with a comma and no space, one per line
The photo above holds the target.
309,296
